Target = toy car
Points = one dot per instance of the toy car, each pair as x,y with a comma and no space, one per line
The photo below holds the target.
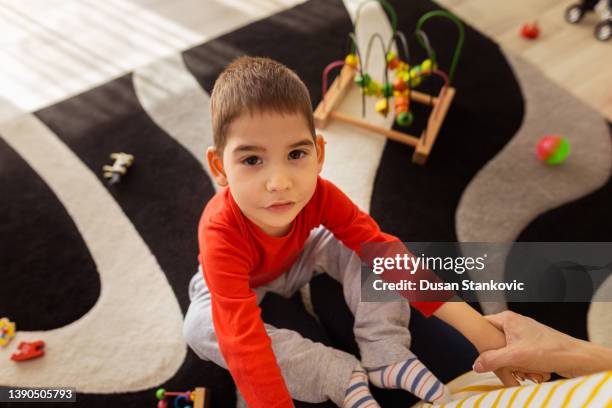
603,29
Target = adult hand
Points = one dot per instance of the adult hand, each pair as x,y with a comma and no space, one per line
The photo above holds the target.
531,347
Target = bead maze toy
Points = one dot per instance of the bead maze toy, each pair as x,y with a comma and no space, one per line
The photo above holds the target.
407,77
199,397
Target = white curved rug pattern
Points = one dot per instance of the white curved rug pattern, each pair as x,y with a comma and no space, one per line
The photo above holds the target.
176,102
516,187
103,351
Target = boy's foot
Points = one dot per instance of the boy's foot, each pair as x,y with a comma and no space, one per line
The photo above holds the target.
411,375
358,393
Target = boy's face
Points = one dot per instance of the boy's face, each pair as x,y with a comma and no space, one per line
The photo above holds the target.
269,159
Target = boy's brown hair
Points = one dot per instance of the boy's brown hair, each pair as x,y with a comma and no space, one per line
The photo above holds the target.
256,85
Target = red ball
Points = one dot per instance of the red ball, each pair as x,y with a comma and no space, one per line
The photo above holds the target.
530,31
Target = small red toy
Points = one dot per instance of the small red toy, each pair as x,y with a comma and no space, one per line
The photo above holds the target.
530,31
29,350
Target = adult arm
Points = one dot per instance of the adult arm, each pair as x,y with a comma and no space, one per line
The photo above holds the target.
532,346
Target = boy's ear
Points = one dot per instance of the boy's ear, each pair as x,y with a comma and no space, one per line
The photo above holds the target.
215,163
320,151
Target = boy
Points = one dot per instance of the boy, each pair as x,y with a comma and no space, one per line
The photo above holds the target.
274,225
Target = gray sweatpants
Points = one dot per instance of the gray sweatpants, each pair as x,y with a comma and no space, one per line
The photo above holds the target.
312,371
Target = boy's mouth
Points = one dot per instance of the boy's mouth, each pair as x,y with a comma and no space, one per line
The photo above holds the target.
280,206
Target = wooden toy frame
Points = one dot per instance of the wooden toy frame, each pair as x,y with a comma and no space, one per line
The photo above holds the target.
202,398
326,111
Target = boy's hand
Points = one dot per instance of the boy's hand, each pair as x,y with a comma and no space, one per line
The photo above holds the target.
484,335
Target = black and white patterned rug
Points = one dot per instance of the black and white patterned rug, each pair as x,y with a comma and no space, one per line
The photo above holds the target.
100,273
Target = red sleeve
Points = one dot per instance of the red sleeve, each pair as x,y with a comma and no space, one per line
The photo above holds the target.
240,331
354,228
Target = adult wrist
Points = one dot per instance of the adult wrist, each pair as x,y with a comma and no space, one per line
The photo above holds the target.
583,358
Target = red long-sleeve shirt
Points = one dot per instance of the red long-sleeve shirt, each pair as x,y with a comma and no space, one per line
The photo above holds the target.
236,256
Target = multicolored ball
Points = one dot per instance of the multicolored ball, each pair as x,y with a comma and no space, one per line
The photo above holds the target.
552,149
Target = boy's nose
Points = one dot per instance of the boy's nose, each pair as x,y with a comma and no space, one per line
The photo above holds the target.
278,181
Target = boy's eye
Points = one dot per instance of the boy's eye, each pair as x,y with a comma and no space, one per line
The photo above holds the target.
251,160
297,154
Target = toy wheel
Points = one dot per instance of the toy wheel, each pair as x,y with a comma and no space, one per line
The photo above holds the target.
603,31
574,14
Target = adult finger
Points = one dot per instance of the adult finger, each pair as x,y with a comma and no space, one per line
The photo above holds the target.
491,360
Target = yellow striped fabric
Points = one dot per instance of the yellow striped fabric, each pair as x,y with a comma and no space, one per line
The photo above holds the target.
473,390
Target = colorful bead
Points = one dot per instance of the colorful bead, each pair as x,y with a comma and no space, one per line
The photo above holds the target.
351,60
160,394
427,65
371,89
387,89
402,66
392,60
401,101
399,84
362,80
415,79
382,107
404,118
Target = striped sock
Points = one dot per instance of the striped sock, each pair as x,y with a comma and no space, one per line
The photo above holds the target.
358,393
411,375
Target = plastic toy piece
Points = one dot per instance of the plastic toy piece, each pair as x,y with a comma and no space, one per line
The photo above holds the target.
119,168
530,31
553,149
200,398
29,350
7,331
